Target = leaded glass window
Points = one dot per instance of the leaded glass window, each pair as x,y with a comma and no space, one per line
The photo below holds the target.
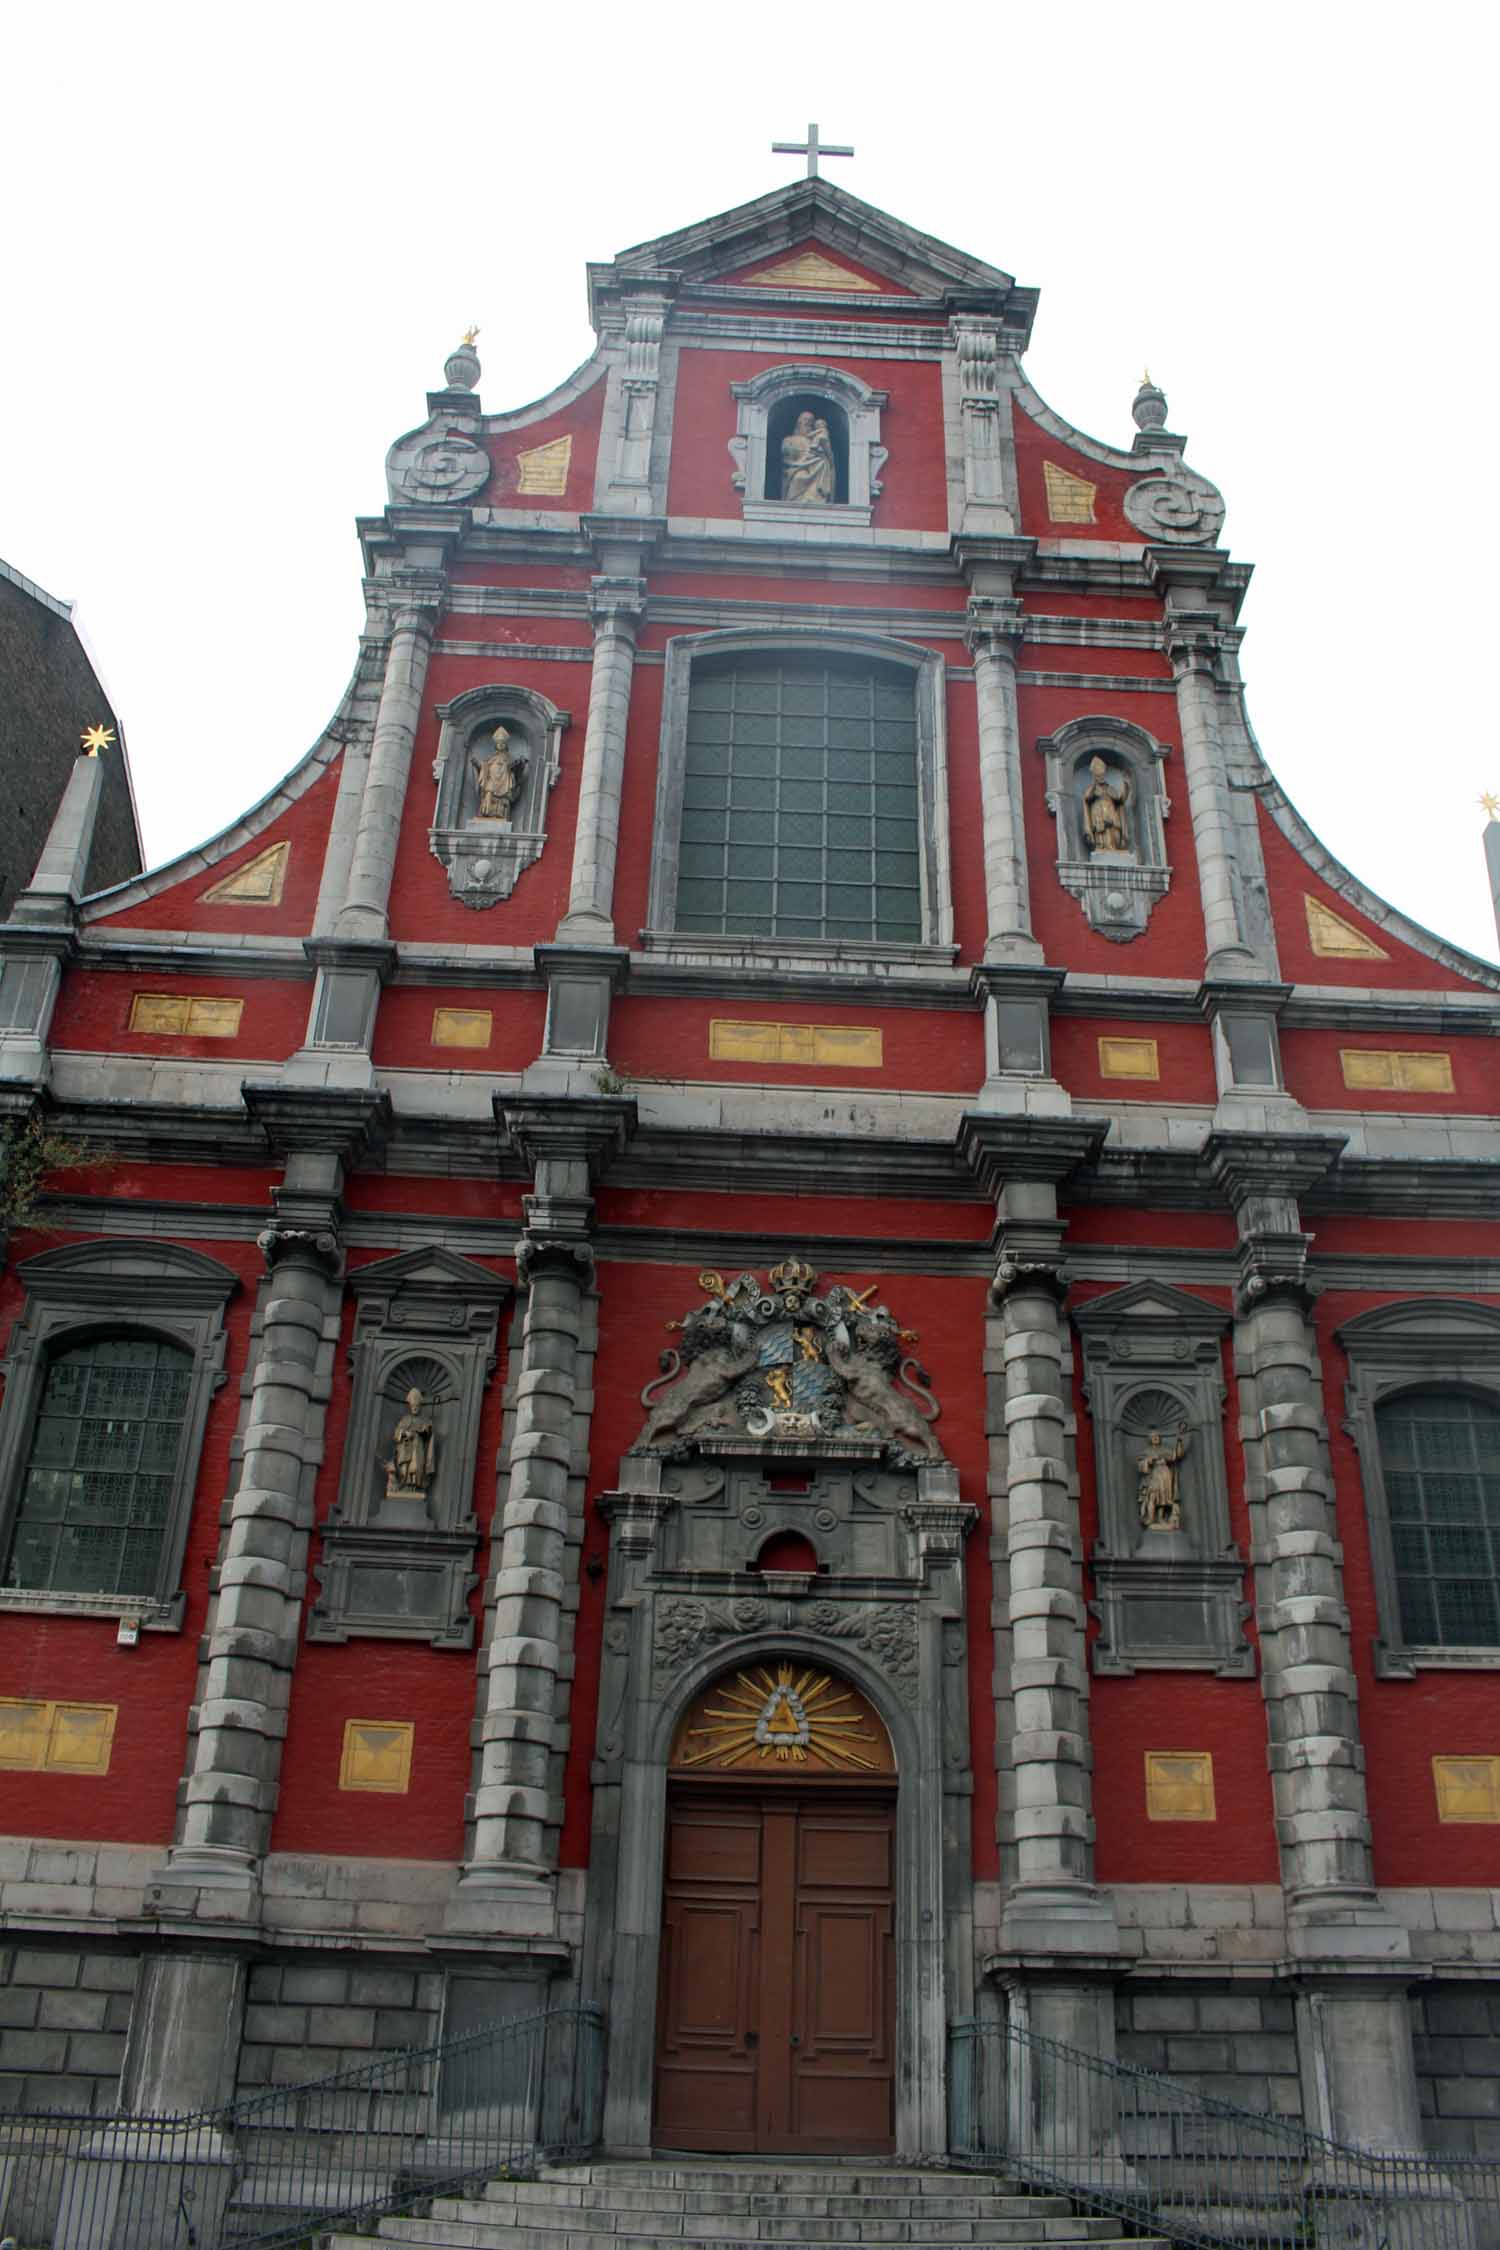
99,1480
799,810
1440,1461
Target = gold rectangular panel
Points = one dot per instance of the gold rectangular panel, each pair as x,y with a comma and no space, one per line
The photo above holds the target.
834,1046
1180,1785
377,1755
1467,1788
544,468
1070,499
56,1737
1381,1069
809,270
23,1735
461,1027
1128,1058
181,1015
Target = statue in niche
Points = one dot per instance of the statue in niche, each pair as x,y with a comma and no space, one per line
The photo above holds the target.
1158,1497
807,470
497,778
413,1462
1104,803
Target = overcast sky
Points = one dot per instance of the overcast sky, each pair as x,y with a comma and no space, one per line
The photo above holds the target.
241,242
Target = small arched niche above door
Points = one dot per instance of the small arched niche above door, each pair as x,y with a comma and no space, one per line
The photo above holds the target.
783,1719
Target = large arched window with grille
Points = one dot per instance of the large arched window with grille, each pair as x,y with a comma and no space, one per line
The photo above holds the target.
1440,1464
802,794
97,1490
108,1380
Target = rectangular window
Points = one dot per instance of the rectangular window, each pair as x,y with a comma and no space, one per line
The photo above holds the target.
46,1737
799,810
1440,1458
180,1015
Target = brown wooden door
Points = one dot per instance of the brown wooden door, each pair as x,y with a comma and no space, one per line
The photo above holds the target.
776,2023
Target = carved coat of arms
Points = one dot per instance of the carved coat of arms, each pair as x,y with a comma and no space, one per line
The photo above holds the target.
778,1361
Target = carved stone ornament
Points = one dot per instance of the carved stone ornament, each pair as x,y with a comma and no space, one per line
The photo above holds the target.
687,1628
1177,507
1105,791
776,1365
441,460
499,753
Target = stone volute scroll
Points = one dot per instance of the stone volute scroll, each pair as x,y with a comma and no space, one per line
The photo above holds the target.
444,459
397,1557
499,753
1168,1577
1171,504
1106,792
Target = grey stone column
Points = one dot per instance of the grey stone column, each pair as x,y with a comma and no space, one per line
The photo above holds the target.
1059,1937
1353,1957
1193,647
994,636
508,1883
617,604
188,2019
365,911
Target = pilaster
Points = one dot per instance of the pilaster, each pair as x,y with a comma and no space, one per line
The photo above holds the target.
1197,634
617,606
1054,1912
508,1885
995,625
1352,1959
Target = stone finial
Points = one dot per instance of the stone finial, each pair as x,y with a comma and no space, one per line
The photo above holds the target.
461,368
1149,406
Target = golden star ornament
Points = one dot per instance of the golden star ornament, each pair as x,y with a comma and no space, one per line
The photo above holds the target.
96,739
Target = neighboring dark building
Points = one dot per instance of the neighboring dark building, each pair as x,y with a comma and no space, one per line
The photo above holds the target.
49,692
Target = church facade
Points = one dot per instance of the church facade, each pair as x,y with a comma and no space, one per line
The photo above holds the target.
775,1307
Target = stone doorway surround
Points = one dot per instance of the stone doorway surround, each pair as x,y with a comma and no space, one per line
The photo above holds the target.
896,1634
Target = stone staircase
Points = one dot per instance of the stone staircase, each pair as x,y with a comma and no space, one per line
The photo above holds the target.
723,2204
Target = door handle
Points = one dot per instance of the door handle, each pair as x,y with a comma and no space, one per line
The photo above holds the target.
795,2040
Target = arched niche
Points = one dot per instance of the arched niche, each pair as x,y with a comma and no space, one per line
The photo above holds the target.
767,407
486,850
1106,792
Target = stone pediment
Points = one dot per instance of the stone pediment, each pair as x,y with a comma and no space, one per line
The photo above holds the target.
1152,1305
430,1274
813,219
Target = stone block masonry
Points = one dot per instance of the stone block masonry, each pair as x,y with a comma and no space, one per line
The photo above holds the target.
64,2014
305,2019
1236,2045
1457,2044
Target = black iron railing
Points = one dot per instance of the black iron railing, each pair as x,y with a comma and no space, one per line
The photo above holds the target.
276,2168
1172,2162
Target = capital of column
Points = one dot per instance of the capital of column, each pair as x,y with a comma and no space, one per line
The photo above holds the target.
345,1122
617,606
1262,1175
568,1255
994,627
306,1246
1004,1150
585,1129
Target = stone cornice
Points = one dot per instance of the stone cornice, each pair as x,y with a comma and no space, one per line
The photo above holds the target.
997,1149
545,1128
350,1123
1247,1165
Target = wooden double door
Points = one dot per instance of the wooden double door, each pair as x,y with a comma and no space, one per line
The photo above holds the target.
777,2011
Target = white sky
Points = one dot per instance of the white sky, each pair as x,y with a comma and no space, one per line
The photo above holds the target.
239,244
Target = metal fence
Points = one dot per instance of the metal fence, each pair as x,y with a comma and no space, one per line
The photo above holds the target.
1199,2171
276,2168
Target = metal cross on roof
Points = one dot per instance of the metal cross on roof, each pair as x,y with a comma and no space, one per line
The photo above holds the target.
812,148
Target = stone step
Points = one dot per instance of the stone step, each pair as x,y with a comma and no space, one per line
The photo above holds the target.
785,2175
933,2222
1044,2217
496,2234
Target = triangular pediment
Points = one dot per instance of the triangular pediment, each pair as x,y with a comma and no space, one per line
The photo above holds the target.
814,220
1153,1306
429,1271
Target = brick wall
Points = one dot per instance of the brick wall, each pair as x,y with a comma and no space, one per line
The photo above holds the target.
63,2019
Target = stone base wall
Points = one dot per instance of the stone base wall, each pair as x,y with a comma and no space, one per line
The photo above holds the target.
1458,2067
304,2019
1239,2046
64,2013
